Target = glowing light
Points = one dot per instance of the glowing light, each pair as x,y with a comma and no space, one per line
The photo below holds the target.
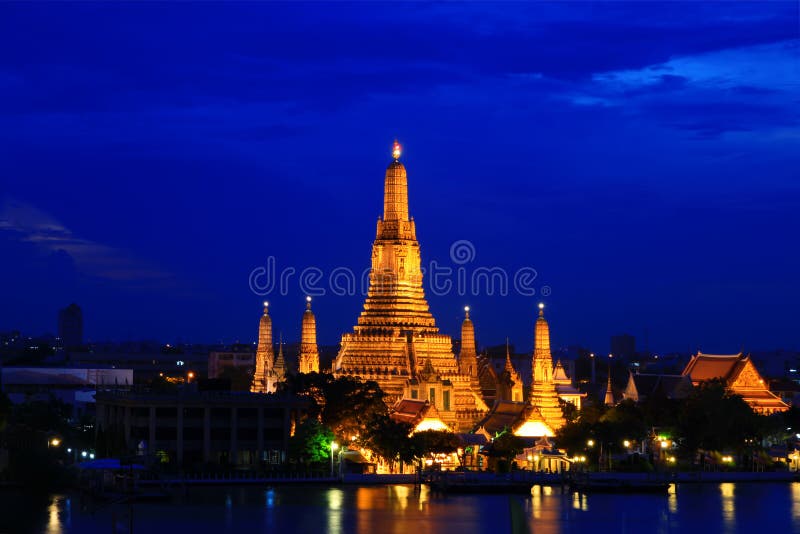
671,459
84,454
55,442
190,375
664,444
534,429
541,305
430,423
69,450
627,443
308,299
266,303
91,456
396,150
590,443
466,308
334,445
530,458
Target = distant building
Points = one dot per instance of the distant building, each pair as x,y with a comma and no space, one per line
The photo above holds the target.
640,387
191,428
218,361
70,326
73,386
623,346
740,377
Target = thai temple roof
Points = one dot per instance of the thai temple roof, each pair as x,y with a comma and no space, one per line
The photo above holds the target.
740,376
708,366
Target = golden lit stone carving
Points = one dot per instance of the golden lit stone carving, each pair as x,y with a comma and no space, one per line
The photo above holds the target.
396,337
309,354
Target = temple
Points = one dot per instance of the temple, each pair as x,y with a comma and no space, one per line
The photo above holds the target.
395,341
740,377
565,388
544,396
264,376
308,361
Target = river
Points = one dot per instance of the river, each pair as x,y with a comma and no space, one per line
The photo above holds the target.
706,508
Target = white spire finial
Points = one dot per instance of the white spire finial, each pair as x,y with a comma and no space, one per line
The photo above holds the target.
308,302
466,311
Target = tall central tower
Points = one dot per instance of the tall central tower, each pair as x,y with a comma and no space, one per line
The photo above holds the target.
395,341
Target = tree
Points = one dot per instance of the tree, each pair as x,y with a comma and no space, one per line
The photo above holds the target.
506,447
713,419
434,442
346,405
311,443
390,439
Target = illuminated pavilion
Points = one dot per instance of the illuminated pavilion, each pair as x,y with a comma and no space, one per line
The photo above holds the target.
396,341
740,377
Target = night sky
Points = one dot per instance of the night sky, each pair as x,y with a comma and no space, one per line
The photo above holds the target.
643,158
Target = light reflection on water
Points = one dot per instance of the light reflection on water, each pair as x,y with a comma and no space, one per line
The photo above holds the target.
415,510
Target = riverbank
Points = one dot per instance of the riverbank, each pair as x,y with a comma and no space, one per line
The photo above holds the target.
535,478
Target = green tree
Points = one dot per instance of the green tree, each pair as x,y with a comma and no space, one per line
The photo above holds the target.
311,443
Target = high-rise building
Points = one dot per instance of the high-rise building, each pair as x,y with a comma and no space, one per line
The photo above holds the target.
70,326
396,341
623,346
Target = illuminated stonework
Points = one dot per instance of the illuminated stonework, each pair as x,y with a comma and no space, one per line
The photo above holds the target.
543,395
509,383
264,356
308,361
396,336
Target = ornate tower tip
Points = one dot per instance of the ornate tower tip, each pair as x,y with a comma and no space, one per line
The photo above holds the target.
541,305
308,302
396,150
266,304
466,311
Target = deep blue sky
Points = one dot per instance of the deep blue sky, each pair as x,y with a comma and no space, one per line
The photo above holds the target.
642,157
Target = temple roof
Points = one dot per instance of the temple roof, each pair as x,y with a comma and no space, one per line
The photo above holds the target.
709,366
504,414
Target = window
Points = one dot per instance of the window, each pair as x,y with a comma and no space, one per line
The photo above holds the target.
446,400
432,395
414,394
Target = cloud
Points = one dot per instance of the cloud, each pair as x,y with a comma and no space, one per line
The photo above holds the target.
30,225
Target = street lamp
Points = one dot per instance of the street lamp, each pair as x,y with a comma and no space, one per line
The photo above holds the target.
590,443
627,444
334,446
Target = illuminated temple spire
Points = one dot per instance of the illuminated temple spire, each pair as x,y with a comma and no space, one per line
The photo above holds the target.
609,398
264,354
543,390
280,362
309,354
396,337
468,357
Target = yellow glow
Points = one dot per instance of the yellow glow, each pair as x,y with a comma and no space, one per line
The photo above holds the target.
590,443
536,458
541,305
334,445
626,443
664,444
430,423
534,429
55,442
530,458
396,150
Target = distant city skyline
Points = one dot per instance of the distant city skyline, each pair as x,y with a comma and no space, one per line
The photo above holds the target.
641,158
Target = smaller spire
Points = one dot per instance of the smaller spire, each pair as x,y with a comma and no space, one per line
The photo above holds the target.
466,312
396,150
541,309
266,308
308,302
